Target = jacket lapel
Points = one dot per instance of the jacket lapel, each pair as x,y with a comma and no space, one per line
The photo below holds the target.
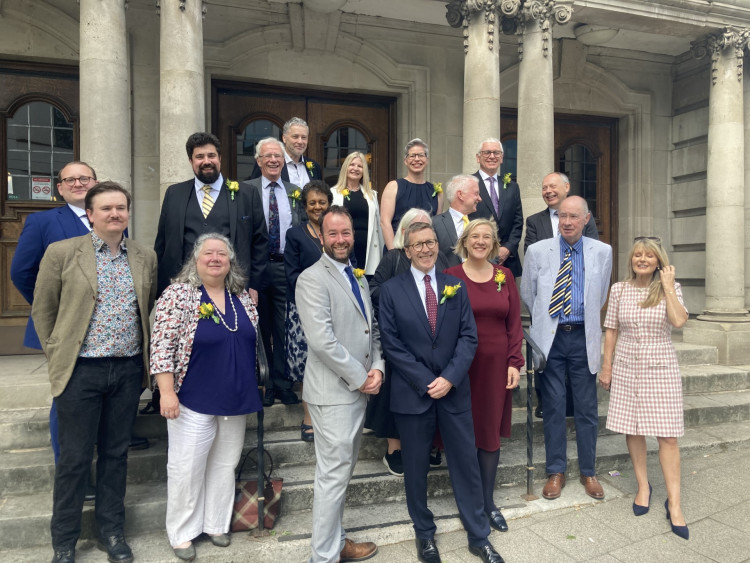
70,223
87,261
233,206
485,194
415,299
547,225
441,308
294,208
339,279
137,269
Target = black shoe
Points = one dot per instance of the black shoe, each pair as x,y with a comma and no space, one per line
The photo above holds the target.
268,398
436,458
118,551
90,495
497,521
538,412
307,433
288,397
487,553
427,551
64,555
138,443
394,463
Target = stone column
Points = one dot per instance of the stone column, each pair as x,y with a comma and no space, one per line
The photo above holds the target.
746,115
182,109
479,19
105,90
725,322
536,103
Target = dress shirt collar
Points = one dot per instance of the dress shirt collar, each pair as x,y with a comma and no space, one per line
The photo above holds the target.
100,245
264,182
419,276
215,186
81,214
485,178
577,247
288,159
339,266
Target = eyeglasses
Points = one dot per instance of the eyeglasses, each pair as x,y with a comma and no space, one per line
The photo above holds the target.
270,156
491,153
71,181
418,246
416,155
657,240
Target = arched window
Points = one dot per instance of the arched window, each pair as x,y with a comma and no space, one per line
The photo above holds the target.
40,141
580,165
254,131
338,145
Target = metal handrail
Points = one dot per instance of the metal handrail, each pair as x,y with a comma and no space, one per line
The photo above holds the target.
531,349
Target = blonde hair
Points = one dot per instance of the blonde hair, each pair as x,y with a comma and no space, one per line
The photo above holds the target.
365,183
460,248
655,290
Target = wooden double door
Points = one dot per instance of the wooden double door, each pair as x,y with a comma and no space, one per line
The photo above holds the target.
339,124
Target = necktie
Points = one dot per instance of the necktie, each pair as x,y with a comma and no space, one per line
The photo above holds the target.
431,302
355,289
493,195
274,227
561,294
465,219
208,201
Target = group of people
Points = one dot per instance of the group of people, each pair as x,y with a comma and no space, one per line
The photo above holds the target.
395,316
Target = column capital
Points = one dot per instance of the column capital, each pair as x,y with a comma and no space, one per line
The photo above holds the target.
183,5
543,13
124,4
730,37
459,14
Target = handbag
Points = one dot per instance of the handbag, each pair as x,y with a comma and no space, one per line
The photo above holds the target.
245,510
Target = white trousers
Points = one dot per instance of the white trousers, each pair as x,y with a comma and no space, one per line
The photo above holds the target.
203,453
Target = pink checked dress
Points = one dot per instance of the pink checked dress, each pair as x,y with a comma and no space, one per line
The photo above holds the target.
646,390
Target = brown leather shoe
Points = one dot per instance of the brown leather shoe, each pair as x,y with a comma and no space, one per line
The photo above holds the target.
554,486
593,487
357,551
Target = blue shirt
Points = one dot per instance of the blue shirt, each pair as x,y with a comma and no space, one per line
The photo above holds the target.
577,313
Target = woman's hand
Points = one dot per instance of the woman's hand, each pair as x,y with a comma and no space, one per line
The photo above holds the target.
169,405
513,378
605,377
667,278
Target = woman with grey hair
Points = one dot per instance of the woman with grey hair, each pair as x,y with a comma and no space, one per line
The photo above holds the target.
203,351
409,192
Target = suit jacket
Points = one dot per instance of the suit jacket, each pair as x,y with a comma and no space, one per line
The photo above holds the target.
39,231
314,170
510,221
247,231
342,346
445,230
539,227
298,211
417,356
542,263
67,275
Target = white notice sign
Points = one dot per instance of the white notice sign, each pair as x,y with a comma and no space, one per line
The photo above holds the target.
41,188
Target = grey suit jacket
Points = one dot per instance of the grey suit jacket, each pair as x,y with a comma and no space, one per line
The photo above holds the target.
342,346
445,230
541,265
295,205
67,277
539,227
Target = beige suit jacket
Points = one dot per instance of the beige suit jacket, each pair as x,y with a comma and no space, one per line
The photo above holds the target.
65,296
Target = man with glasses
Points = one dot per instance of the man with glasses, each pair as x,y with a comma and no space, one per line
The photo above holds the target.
281,210
429,336
297,169
501,201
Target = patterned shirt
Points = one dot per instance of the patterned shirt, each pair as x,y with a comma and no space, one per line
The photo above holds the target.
577,313
115,326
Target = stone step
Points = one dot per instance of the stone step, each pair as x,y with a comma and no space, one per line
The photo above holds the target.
375,500
27,470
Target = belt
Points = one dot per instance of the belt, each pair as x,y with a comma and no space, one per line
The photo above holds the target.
568,328
274,257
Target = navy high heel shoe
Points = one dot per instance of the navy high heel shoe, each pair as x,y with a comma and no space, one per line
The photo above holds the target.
639,510
681,531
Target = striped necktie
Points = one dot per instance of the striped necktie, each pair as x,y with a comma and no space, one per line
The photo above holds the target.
561,293
208,201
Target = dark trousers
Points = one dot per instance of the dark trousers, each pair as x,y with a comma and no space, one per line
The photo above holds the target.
53,430
98,406
457,430
272,311
568,352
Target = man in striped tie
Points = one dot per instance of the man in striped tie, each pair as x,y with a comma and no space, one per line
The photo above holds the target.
565,285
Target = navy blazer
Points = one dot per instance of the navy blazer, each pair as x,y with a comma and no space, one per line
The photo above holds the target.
510,221
415,355
39,231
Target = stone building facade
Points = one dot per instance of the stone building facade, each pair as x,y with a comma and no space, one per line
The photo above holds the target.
644,104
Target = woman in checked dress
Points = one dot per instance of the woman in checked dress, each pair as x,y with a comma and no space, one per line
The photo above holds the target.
640,370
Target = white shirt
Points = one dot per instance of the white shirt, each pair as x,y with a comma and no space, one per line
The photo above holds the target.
555,218
340,267
285,211
215,189
458,221
81,214
298,174
485,179
419,280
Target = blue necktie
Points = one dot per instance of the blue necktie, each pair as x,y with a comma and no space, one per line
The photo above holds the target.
355,289
561,293
274,226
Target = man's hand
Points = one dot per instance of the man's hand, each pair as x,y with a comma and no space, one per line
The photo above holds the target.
439,387
503,254
253,295
372,384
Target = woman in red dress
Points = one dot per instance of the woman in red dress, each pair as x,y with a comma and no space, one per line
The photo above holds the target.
495,369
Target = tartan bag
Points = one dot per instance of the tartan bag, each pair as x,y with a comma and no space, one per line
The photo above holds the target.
245,510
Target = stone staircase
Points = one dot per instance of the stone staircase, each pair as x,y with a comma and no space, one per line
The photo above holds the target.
717,415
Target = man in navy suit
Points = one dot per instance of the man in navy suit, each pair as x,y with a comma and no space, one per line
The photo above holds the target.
429,335
39,231
501,201
297,169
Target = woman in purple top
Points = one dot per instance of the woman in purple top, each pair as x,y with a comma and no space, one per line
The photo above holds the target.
203,351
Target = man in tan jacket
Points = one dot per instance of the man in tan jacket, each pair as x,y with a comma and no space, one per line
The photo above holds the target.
91,305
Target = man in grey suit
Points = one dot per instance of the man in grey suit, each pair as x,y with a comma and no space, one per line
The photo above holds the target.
565,299
344,364
281,209
462,193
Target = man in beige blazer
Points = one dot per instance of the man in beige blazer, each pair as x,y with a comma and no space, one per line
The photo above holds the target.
91,305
